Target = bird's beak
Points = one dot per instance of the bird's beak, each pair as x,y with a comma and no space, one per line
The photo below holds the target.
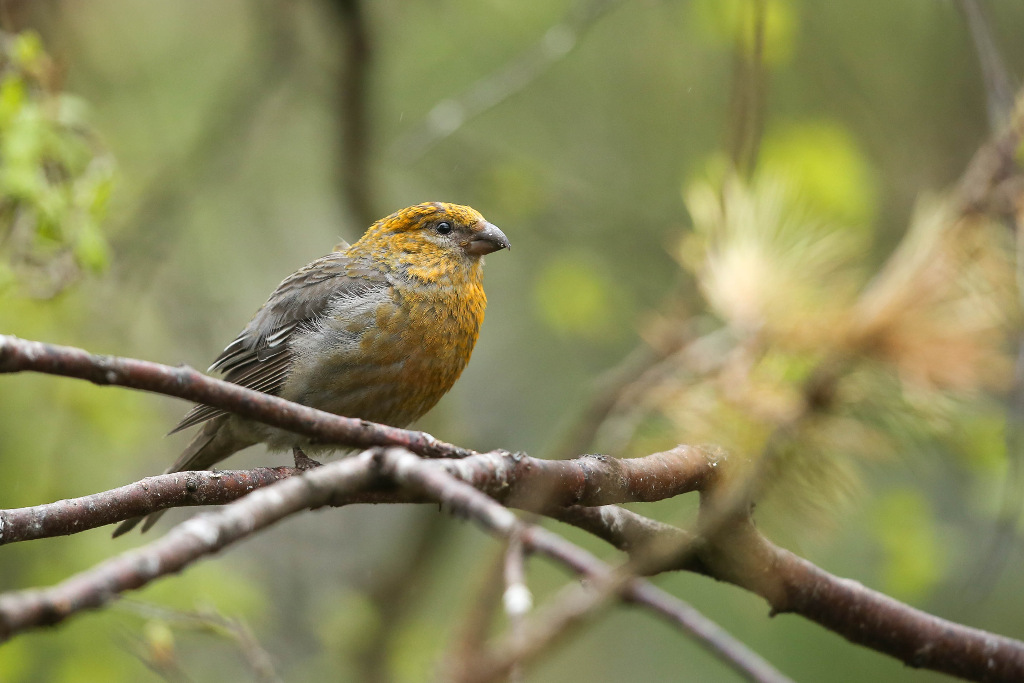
486,239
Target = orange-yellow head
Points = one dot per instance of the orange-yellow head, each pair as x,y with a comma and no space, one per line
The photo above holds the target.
432,238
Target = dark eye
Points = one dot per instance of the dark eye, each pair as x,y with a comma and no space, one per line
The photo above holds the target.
443,228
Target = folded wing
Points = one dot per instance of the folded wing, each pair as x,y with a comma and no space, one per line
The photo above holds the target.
260,358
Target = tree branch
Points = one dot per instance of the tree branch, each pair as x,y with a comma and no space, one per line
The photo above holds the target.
567,490
206,534
179,489
181,546
999,86
517,599
17,355
512,478
462,499
790,584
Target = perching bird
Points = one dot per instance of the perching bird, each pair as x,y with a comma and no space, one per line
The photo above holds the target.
379,330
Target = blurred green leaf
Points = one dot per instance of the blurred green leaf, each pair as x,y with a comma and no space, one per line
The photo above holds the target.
91,249
417,645
575,298
55,182
825,167
12,98
913,559
728,22
981,438
27,49
517,190
7,277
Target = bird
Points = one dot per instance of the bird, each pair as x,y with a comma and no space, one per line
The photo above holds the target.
378,330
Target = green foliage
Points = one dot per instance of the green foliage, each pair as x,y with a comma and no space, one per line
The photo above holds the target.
726,22
827,168
349,620
913,561
981,443
518,191
576,298
55,183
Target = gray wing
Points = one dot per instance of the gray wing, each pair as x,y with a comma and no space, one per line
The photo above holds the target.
260,358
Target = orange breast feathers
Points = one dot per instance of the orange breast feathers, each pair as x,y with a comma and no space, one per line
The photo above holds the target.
389,352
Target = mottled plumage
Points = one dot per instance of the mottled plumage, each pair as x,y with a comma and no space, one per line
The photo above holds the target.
379,330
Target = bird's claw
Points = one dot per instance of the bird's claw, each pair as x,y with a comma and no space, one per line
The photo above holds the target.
303,461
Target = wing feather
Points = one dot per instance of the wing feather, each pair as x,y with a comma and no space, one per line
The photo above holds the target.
260,358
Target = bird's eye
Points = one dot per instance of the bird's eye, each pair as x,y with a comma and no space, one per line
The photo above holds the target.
443,228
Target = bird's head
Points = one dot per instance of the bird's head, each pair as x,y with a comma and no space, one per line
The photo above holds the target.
432,234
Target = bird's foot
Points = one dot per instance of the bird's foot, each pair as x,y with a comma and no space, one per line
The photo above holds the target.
303,461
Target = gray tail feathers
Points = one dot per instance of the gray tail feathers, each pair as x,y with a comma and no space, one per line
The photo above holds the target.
147,521
208,447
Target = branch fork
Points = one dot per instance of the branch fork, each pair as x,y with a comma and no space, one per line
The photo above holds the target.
584,492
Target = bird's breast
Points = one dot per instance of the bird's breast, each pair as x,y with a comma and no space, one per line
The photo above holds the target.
392,359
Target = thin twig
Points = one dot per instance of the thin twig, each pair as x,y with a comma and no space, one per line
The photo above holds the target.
631,377
471,635
517,599
574,607
449,115
999,86
791,584
253,653
978,190
749,91
180,489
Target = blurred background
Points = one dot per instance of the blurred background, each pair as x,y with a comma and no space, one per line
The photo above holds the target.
713,206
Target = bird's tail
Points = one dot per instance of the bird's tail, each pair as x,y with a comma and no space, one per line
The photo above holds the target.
209,446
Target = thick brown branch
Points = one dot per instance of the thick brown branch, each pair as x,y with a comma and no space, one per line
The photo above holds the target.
462,499
17,355
184,544
869,618
565,489
207,534
742,556
512,478
179,489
